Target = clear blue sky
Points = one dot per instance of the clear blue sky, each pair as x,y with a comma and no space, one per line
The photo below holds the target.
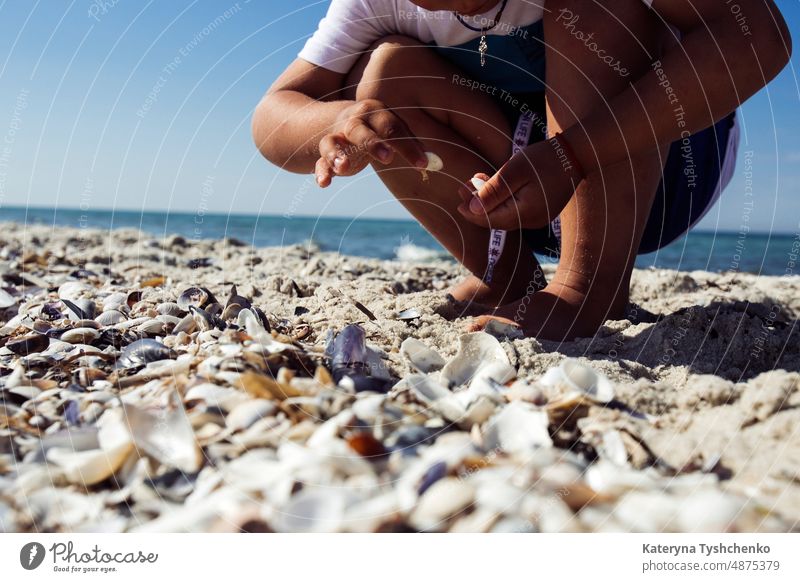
83,129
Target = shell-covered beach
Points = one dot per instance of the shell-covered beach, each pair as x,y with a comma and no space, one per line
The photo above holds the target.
169,384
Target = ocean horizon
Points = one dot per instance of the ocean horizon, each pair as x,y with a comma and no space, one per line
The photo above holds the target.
404,239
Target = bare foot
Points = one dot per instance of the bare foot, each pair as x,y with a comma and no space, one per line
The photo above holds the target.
556,313
473,290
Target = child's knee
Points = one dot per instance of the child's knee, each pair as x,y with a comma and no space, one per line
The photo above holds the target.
385,69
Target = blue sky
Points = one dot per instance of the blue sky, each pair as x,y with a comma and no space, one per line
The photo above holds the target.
135,104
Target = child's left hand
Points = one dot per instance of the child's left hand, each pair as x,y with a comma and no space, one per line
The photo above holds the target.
529,191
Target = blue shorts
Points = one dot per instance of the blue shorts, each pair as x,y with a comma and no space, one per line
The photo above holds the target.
696,170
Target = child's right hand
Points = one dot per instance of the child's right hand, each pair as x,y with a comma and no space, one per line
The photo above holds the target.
365,131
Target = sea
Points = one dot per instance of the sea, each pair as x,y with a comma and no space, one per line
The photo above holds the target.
747,252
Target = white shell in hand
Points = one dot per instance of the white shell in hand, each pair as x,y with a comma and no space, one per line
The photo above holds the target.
435,163
477,183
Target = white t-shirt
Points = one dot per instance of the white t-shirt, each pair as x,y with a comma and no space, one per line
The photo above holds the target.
352,26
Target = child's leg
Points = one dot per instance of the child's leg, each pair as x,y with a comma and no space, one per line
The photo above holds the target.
603,223
469,132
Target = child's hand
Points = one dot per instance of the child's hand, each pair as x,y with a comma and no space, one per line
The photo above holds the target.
529,191
366,131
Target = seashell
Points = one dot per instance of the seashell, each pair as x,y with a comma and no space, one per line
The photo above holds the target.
579,380
195,296
517,429
80,308
252,324
80,335
408,315
213,309
168,436
231,312
313,511
217,396
170,308
478,184
435,163
475,351
110,317
151,327
204,320
114,301
29,344
709,511
187,325
143,352
502,330
521,390
235,298
6,300
421,357
72,290
93,466
445,499
247,413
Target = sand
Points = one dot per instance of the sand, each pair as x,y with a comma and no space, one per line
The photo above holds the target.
714,357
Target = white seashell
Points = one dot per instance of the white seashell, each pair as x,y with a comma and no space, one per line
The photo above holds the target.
167,436
6,301
518,428
110,317
92,466
500,329
435,163
72,290
579,378
255,330
606,477
421,357
709,511
477,183
115,301
186,325
170,308
217,396
475,351
313,511
152,326
647,512
247,413
521,390
443,500
80,335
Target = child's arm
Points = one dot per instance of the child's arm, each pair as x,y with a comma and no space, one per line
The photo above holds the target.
304,125
716,66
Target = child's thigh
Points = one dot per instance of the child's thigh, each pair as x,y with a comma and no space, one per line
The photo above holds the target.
419,85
